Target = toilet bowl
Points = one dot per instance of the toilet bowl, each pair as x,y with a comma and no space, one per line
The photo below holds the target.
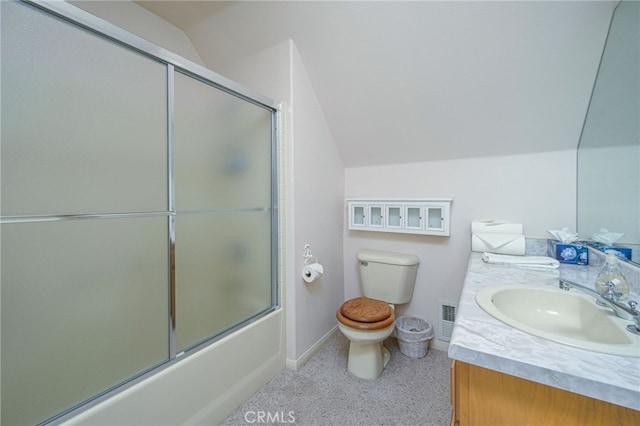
366,323
386,279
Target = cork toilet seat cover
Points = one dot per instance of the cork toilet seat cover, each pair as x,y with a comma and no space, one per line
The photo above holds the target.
365,314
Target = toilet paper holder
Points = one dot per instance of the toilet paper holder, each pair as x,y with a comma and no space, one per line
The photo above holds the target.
306,254
312,269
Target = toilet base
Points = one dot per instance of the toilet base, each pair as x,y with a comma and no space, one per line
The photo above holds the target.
367,359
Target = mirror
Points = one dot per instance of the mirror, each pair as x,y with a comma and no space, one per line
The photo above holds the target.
609,149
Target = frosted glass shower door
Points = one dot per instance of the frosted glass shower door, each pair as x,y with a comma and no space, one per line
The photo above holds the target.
83,120
138,213
84,308
222,171
84,275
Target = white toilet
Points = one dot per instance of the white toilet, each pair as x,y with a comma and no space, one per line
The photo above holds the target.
386,278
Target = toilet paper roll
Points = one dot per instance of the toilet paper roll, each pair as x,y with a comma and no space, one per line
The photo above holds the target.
312,272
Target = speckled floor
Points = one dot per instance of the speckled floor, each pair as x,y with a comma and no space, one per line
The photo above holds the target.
322,392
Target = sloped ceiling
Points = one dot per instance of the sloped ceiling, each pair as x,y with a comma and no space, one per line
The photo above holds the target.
183,13
423,80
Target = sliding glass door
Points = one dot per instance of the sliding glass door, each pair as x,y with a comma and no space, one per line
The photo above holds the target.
223,221
137,212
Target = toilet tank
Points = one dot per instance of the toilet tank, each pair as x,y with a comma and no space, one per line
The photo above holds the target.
387,276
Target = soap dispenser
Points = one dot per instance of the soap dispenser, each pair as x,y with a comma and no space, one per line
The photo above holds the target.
610,279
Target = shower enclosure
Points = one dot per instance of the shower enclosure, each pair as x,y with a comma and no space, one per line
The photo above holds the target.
138,209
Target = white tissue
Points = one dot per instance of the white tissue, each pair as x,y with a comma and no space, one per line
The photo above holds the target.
498,243
564,235
497,236
312,272
605,237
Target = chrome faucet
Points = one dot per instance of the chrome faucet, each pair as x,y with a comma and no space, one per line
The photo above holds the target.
629,313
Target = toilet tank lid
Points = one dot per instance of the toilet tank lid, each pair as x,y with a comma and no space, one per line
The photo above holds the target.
392,258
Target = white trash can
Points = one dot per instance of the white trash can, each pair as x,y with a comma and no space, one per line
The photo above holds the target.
413,336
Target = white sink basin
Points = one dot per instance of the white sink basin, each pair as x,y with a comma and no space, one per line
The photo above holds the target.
570,318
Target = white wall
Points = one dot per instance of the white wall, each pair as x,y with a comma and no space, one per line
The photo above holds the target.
318,179
537,190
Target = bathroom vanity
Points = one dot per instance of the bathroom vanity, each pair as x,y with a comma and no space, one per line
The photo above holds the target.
501,375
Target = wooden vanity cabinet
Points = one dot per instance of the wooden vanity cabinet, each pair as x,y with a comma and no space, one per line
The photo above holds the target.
480,397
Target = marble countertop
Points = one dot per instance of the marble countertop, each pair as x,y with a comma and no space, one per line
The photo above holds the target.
482,340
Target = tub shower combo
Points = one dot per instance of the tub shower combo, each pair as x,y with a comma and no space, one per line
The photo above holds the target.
139,219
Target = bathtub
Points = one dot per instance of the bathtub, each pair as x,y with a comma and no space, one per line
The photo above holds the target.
205,387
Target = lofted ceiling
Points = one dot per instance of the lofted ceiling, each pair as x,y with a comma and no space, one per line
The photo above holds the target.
422,80
182,13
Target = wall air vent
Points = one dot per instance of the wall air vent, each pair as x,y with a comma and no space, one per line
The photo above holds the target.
447,319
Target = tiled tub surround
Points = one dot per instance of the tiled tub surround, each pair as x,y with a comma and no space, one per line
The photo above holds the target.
482,340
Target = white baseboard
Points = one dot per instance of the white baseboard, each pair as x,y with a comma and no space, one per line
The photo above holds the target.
294,364
440,345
